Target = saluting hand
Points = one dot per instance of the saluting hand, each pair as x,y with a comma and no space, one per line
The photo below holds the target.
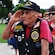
16,16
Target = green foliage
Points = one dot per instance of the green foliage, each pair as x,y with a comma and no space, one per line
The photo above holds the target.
17,7
21,4
2,27
5,8
42,11
5,12
0,11
8,4
0,8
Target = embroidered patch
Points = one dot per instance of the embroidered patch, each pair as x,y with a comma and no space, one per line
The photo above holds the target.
35,36
19,38
28,3
18,27
37,44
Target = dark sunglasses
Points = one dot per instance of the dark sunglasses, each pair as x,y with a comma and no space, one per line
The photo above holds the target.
52,13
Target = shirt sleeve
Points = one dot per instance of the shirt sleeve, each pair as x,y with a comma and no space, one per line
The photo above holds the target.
45,32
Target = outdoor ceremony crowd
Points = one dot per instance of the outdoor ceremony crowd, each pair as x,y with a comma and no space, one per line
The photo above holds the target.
29,31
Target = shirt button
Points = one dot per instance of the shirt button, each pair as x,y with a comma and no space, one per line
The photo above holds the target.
27,50
16,36
22,34
26,44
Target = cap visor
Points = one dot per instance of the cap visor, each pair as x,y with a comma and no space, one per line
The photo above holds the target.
52,12
24,8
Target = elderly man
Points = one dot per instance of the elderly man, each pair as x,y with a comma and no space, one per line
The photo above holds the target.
32,34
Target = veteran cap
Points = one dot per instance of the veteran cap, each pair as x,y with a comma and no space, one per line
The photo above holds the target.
31,6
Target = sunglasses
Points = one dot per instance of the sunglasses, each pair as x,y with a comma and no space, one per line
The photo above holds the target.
52,13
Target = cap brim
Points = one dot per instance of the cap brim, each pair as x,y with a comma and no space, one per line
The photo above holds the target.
29,8
23,8
52,12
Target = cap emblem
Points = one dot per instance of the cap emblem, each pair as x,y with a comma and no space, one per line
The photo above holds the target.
28,4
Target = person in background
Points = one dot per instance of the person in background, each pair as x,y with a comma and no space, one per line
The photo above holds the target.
7,20
52,23
32,34
12,41
46,16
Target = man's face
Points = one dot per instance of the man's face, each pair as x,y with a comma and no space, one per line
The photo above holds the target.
28,17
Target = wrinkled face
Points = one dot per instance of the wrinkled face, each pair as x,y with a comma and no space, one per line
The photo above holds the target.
29,17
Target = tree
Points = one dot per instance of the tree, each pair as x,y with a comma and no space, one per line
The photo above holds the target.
8,4
42,11
5,7
0,11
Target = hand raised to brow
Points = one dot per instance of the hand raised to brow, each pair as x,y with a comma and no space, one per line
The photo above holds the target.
16,16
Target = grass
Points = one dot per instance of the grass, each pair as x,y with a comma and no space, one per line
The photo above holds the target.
2,27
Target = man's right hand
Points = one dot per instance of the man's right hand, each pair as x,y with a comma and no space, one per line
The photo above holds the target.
16,16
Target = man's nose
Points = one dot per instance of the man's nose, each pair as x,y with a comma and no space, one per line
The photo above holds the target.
24,15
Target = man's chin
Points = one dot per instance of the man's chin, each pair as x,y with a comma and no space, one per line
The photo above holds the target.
25,23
